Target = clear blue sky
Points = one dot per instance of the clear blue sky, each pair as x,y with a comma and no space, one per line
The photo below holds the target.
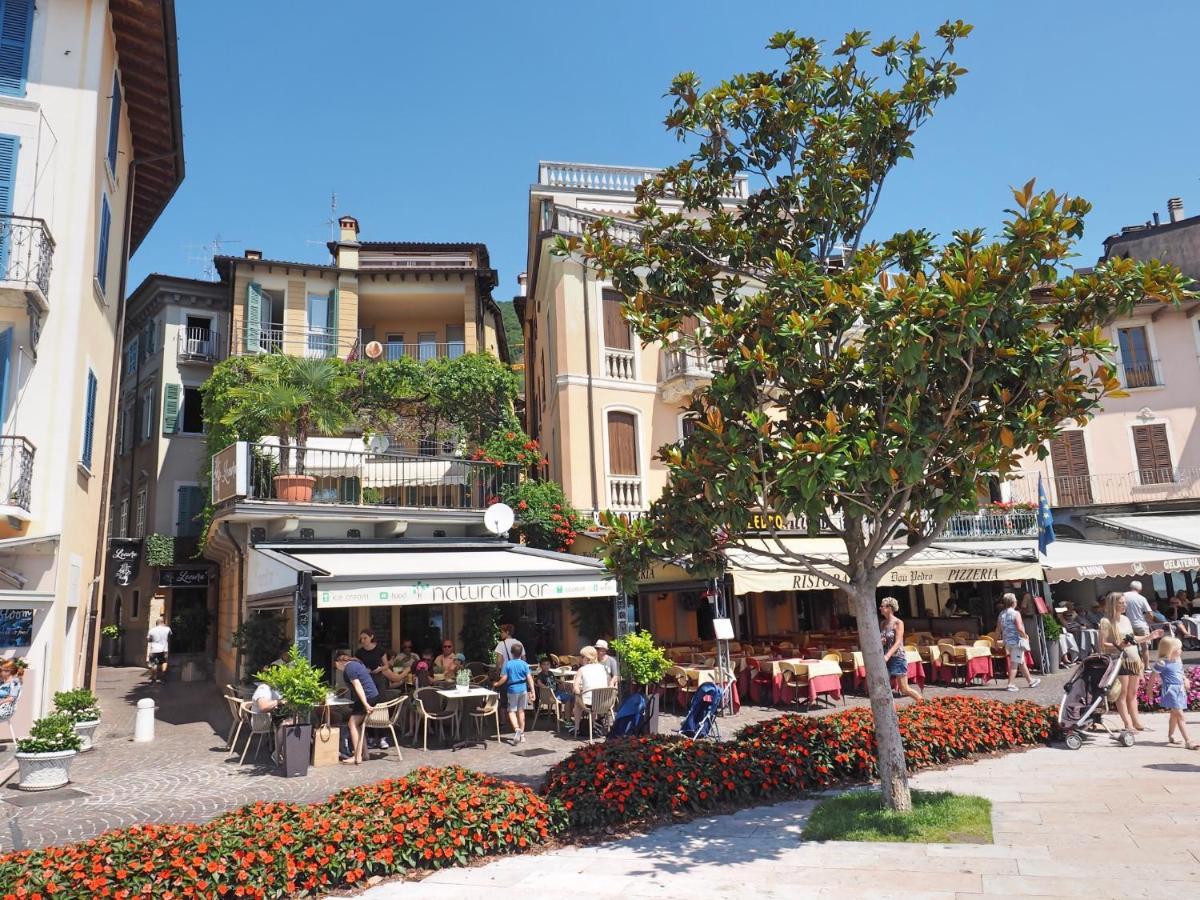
428,120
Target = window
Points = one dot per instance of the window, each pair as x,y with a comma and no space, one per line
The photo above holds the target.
131,357
102,245
320,325
9,145
394,346
16,23
123,519
687,424
114,124
622,443
147,416
616,329
136,607
1153,454
429,446
190,503
456,342
191,418
149,335
426,346
139,515
89,419
1072,479
198,337
1136,363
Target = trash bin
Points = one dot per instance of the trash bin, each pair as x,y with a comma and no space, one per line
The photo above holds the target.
143,721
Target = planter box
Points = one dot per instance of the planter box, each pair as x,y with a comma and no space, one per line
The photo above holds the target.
44,771
295,745
87,731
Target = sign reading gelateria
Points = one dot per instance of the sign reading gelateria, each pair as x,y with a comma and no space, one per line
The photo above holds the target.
334,594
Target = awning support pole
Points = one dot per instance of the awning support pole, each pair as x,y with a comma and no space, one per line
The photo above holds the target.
302,615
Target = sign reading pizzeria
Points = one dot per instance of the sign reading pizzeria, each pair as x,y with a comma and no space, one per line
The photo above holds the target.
124,560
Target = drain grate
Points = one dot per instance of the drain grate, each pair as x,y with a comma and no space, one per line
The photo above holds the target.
37,798
533,751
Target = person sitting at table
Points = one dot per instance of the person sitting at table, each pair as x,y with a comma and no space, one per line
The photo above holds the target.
1068,646
1155,615
265,698
363,695
402,665
891,632
591,675
547,678
446,665
1091,618
1178,606
609,662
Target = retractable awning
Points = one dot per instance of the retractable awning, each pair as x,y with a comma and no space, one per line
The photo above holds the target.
455,573
1081,560
1174,529
754,569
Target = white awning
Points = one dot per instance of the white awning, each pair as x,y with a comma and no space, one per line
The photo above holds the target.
470,573
755,570
1178,529
1081,560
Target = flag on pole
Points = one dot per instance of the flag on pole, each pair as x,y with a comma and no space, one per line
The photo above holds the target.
1045,519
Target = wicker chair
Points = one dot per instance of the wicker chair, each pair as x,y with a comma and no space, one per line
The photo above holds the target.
430,706
489,709
384,716
547,701
794,680
603,702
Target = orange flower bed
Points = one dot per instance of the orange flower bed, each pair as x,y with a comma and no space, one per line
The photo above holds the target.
431,819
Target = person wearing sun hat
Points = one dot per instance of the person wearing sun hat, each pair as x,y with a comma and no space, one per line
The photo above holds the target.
608,661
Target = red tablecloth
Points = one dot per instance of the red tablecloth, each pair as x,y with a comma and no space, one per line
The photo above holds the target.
817,684
916,674
979,667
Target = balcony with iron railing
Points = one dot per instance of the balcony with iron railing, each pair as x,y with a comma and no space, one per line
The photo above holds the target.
991,524
16,476
200,345
294,341
1143,373
377,479
1153,485
594,178
26,256
423,352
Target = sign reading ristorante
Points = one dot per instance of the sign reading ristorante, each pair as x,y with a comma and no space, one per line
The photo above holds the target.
333,594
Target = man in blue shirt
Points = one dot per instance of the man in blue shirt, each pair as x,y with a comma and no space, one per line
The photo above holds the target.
518,680
363,694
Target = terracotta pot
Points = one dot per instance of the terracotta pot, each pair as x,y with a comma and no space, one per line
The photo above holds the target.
294,488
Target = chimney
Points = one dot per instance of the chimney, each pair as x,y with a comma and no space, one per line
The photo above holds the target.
522,283
1175,209
1156,220
347,229
253,254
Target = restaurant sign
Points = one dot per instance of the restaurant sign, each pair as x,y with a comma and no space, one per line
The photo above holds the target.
229,476
177,578
340,594
124,559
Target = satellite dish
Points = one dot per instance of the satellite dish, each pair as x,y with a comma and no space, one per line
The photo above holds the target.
498,518
379,443
374,350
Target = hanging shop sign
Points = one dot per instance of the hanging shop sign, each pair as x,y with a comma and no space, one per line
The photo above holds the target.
124,560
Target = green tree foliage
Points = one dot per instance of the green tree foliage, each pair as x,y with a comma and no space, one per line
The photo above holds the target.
480,631
642,660
870,387
512,330
301,687
260,638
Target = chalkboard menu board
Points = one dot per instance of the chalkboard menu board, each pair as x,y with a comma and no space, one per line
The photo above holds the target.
381,624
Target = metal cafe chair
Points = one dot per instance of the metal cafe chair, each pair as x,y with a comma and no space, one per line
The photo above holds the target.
548,702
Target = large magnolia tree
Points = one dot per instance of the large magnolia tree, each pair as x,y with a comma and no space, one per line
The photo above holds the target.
871,387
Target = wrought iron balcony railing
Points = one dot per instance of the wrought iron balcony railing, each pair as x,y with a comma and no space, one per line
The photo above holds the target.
200,345
26,253
991,524
596,178
16,471
1138,486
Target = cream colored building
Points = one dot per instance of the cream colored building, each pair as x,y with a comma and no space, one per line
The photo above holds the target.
176,330
86,89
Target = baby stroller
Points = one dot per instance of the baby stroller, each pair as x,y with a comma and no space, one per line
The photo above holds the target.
633,718
1084,697
701,720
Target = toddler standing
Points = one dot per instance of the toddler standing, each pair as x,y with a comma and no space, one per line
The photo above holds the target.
1173,695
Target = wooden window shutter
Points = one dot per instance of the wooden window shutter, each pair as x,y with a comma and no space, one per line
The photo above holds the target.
253,317
6,342
616,329
16,23
1153,454
171,404
622,443
1072,479
9,144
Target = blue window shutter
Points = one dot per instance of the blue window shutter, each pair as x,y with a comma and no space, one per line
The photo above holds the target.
102,249
9,144
89,419
16,23
5,353
114,124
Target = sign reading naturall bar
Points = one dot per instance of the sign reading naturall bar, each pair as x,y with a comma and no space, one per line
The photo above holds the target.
334,594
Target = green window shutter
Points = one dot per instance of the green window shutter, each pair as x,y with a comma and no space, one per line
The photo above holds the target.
191,504
253,317
171,408
333,321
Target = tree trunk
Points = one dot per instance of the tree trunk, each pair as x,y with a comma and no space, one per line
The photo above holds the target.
893,774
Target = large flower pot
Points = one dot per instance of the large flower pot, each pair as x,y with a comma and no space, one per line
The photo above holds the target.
44,771
111,651
294,488
651,706
295,742
87,732
1052,656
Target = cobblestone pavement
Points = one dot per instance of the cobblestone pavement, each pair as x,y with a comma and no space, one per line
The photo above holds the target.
185,775
1102,822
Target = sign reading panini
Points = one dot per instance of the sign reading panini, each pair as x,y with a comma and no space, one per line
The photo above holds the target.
333,594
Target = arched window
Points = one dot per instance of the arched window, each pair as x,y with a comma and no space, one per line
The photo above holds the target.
622,443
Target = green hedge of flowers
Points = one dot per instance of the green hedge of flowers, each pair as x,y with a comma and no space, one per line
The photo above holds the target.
430,819
653,778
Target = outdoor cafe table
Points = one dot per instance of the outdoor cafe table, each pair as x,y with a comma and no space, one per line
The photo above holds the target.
709,674
978,660
823,677
916,671
460,695
745,674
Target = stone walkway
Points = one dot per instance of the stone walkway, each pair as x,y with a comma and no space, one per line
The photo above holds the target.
1103,821
185,775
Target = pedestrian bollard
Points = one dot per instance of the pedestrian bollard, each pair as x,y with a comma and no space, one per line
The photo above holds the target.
143,721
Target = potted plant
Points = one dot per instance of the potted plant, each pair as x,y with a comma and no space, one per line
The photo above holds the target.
1053,633
300,688
44,758
112,644
82,707
643,664
297,397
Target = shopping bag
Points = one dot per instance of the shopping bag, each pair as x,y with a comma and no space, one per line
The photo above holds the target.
326,739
